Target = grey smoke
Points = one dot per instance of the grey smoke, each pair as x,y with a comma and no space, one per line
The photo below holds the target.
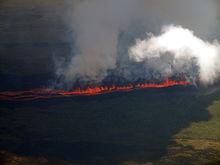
98,23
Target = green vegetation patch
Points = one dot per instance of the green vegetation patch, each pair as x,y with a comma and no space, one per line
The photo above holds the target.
205,134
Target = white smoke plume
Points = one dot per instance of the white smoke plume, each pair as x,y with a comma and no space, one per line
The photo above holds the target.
174,49
98,23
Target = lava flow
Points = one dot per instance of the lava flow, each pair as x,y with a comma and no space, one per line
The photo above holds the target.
45,93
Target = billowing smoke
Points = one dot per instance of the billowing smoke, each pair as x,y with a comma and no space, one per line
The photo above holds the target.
178,50
100,51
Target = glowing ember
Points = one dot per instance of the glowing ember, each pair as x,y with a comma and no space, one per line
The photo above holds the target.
44,93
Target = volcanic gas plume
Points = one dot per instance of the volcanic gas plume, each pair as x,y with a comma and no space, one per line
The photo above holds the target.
105,32
178,50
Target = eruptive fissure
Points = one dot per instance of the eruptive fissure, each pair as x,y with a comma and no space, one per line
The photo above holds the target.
46,93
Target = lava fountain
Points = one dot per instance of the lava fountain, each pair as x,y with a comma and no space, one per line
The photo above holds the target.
46,93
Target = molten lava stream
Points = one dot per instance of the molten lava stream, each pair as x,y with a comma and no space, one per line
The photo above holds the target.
44,93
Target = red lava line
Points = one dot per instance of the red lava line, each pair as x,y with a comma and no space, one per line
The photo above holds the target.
44,93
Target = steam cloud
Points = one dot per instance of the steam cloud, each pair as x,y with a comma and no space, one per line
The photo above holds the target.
97,25
173,51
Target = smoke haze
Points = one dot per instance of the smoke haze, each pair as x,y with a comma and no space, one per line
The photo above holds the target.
97,25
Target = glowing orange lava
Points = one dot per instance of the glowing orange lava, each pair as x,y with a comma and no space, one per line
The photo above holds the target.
44,93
